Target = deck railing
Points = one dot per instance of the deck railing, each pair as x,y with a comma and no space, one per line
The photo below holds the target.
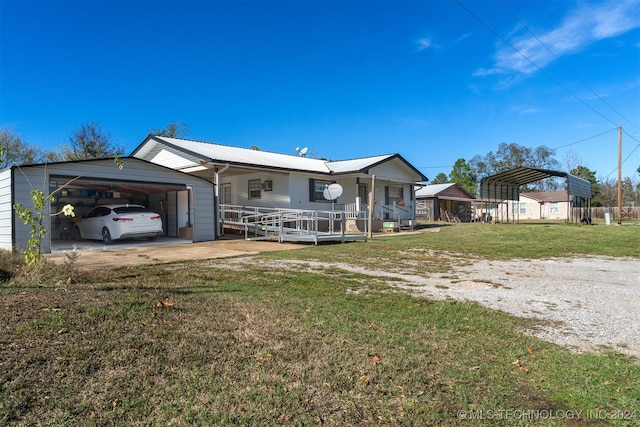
260,223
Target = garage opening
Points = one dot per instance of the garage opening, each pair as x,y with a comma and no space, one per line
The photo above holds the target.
171,201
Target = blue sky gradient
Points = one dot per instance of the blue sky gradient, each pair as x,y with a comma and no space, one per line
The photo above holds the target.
432,80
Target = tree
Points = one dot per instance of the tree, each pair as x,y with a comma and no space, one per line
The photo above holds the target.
586,173
172,130
441,178
511,156
608,194
89,141
630,194
16,151
463,175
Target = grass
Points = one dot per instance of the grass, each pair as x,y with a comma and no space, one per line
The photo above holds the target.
263,345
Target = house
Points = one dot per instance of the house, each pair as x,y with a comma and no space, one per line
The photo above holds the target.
263,180
184,201
444,202
198,188
530,206
542,205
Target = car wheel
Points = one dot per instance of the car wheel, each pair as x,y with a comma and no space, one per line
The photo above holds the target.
106,236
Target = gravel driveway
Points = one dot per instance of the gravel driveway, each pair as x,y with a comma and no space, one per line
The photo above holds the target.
589,302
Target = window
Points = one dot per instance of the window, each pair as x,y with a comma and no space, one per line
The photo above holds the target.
267,186
363,193
225,194
255,189
393,195
519,208
316,190
554,208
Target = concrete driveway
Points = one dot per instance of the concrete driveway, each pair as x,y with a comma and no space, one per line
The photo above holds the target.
94,254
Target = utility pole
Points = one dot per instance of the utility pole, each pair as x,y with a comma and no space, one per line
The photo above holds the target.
619,175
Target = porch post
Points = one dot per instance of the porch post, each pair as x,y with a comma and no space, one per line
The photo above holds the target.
372,200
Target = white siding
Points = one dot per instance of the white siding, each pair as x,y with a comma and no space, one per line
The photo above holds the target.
299,185
537,210
393,171
277,197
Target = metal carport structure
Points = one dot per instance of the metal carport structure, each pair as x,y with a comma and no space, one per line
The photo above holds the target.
505,186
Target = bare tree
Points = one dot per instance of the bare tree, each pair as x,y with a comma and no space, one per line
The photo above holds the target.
16,151
89,141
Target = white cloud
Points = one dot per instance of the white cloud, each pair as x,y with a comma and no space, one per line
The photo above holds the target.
581,27
525,109
423,43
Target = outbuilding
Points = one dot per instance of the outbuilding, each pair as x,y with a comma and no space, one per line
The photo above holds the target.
444,202
184,201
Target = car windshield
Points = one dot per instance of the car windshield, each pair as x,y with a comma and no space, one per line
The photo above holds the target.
131,209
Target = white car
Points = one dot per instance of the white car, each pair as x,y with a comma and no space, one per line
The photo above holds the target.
113,222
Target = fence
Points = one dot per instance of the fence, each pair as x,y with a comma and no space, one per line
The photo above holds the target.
628,213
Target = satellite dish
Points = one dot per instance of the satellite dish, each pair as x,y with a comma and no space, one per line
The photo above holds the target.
332,191
302,151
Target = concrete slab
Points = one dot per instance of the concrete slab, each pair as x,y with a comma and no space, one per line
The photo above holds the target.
130,253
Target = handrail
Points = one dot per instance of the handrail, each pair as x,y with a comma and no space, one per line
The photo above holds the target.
281,222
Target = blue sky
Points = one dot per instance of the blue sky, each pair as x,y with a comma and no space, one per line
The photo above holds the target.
432,80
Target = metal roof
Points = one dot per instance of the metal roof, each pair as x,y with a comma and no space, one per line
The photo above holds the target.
506,185
192,152
433,189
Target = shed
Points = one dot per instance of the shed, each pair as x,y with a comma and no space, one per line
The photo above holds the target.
184,201
444,202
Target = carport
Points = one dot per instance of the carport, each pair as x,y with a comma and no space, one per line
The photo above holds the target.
184,201
505,187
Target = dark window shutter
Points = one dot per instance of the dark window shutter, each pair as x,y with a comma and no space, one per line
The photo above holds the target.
312,189
386,195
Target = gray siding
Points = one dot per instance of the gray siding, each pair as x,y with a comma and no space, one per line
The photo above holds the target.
204,226
134,170
6,225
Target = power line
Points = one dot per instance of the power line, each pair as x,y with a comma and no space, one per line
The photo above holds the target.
585,139
630,154
549,76
434,167
564,64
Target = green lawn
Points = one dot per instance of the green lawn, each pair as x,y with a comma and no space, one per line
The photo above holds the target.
267,346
